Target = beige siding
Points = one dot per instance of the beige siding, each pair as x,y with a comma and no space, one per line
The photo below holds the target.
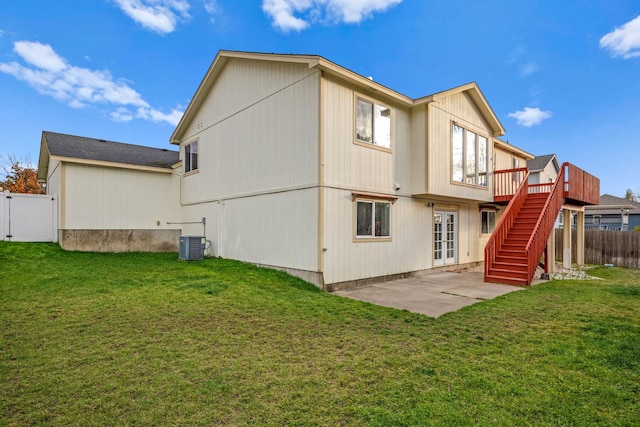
354,166
418,150
113,198
505,159
269,142
347,259
461,109
257,180
272,229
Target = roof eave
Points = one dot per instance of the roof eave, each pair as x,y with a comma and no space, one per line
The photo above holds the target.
478,97
113,164
43,160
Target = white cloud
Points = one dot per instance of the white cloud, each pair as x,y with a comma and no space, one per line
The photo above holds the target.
527,69
40,55
623,41
530,116
50,74
160,16
283,12
212,7
121,115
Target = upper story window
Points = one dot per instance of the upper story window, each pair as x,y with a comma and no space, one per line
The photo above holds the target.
373,123
191,157
470,157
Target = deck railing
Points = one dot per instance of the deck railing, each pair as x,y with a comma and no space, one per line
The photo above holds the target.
506,182
579,186
517,198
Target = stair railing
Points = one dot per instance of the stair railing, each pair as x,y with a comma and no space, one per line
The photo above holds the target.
508,217
544,225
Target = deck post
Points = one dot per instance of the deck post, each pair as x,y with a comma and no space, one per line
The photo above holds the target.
550,255
566,238
580,239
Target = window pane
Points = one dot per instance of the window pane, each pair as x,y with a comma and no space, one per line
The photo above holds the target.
187,158
194,155
485,223
470,161
458,158
488,222
364,219
382,219
382,123
364,120
483,164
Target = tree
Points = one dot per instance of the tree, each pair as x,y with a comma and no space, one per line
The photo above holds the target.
630,195
20,177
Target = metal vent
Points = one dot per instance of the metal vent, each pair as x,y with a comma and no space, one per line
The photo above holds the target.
191,248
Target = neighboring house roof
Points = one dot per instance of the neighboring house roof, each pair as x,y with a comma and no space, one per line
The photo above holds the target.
80,149
611,204
328,67
540,162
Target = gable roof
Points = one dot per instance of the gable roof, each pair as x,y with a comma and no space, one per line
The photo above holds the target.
476,94
538,163
79,149
509,148
331,68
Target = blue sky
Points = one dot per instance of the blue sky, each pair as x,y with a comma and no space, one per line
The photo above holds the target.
563,77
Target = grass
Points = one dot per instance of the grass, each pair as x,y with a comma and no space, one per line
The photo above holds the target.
144,339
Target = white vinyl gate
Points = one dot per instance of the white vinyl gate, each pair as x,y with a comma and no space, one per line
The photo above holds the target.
28,217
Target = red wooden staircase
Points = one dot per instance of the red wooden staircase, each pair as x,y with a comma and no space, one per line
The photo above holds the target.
515,248
511,261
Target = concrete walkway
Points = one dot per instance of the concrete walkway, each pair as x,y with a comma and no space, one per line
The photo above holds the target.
433,294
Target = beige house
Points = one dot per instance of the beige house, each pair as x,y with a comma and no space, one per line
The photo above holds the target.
300,164
296,163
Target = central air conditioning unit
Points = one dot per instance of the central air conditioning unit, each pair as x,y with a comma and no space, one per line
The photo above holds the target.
191,248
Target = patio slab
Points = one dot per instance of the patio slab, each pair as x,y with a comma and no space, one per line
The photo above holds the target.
431,294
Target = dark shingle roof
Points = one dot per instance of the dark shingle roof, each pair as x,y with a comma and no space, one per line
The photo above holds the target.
539,162
79,147
609,203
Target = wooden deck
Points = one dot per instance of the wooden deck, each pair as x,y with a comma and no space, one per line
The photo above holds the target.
514,249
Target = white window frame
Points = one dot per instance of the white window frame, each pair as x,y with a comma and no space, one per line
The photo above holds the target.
190,156
478,177
377,110
375,227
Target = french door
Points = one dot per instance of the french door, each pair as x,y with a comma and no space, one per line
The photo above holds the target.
445,237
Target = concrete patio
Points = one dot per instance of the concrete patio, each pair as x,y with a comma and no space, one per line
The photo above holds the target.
432,294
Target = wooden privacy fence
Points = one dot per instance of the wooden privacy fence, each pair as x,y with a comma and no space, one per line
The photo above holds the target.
620,248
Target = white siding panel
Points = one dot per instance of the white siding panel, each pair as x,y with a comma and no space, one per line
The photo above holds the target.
112,198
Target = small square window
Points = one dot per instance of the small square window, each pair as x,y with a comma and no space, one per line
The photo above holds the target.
191,157
373,218
488,222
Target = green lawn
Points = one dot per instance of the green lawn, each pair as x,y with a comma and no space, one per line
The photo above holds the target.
144,339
